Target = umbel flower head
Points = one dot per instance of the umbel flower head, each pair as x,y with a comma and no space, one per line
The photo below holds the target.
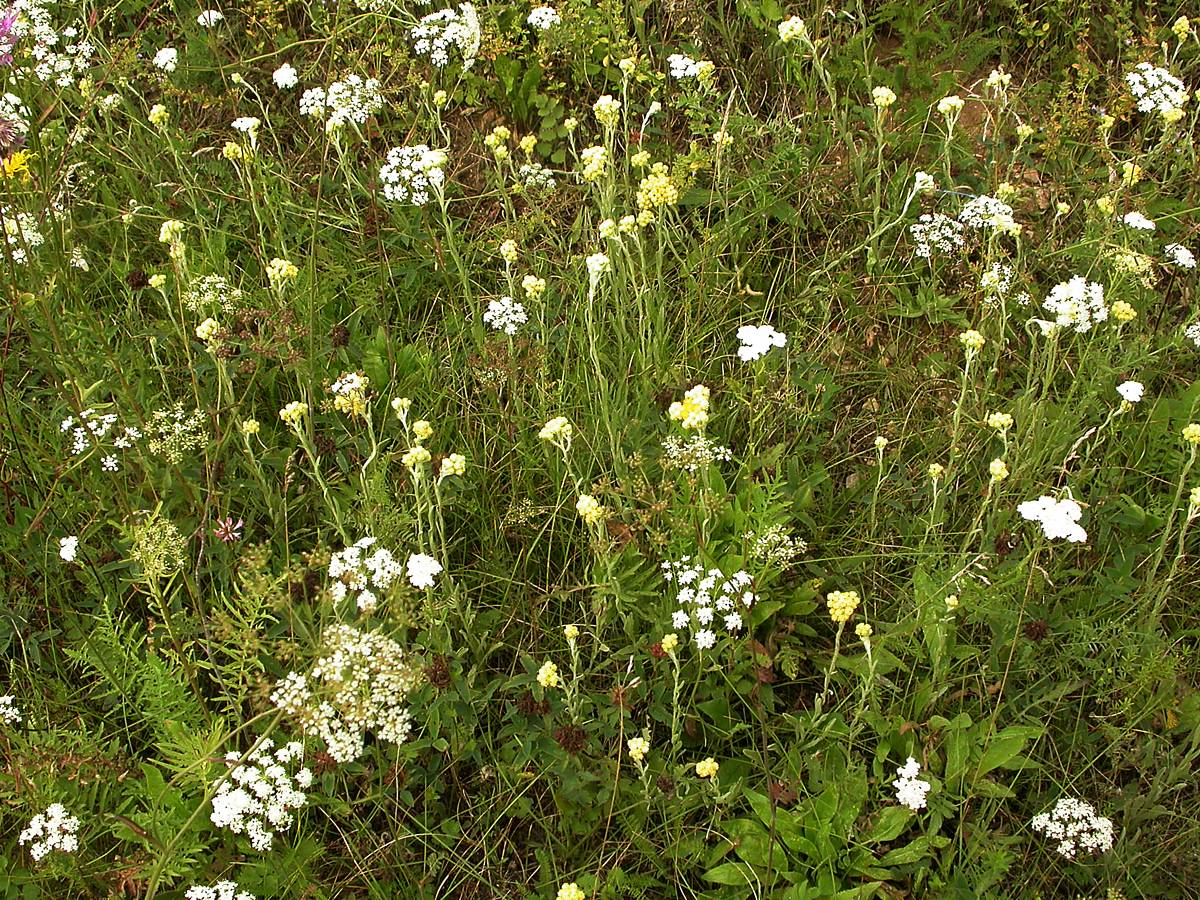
1075,826
910,790
1058,518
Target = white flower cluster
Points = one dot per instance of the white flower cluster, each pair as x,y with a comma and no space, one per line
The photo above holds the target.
536,176
1138,221
1077,304
1180,256
1058,518
1075,826
55,829
210,293
362,575
14,111
691,454
412,174
703,595
359,685
10,713
775,546
987,212
544,18
57,57
258,797
997,280
1131,391
222,890
422,569
757,341
92,429
68,547
166,59
934,231
683,66
439,33
21,233
506,315
1192,333
352,100
286,77
911,790
1155,89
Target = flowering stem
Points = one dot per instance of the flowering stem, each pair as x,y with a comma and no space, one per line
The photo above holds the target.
837,646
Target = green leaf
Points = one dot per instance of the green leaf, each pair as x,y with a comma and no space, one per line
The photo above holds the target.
889,824
1006,746
734,873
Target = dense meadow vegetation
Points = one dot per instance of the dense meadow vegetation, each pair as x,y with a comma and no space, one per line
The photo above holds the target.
614,450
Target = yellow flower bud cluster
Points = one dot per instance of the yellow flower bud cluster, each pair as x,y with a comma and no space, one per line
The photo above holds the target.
590,510
842,605
692,411
595,161
657,189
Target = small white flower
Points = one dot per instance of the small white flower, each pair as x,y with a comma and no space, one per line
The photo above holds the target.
209,17
757,341
910,790
422,570
1138,221
1058,518
166,59
1131,391
285,77
543,18
705,639
1180,256
68,547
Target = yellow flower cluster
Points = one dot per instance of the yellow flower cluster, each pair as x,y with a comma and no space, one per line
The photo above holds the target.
1191,434
454,464
1122,312
608,111
692,411
936,471
670,642
350,393
571,891
509,252
207,330
294,413
547,675
999,469
533,286
657,189
571,633
415,456
638,748
280,271
863,631
841,605
497,142
707,768
972,341
595,160
792,29
883,97
1000,421
590,509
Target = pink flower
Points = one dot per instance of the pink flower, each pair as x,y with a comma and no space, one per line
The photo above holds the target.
228,530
